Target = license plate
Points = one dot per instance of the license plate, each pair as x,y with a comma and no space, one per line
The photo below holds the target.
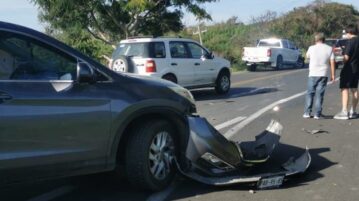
270,182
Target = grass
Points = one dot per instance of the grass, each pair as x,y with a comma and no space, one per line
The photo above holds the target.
236,67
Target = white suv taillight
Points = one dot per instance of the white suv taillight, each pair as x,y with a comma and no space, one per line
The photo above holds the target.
150,66
269,53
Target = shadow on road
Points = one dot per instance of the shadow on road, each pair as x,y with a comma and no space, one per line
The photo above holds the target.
286,67
104,187
210,94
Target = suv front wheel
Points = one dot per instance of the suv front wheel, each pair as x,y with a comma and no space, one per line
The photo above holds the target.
149,155
223,83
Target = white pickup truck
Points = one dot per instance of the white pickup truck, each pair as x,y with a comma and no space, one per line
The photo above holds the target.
272,52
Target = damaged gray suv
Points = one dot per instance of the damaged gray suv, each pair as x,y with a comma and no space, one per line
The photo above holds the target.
62,114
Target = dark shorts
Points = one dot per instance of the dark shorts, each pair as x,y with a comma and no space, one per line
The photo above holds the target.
348,79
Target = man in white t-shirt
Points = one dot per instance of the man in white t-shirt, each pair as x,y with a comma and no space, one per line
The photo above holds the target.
321,61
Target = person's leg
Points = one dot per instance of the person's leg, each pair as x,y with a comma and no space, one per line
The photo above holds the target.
354,99
343,114
354,90
322,83
353,85
345,77
309,97
345,99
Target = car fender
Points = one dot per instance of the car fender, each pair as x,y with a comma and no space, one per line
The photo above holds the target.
220,70
121,120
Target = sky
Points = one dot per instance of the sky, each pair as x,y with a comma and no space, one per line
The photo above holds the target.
25,13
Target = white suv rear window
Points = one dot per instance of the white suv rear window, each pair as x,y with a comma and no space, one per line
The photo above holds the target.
144,49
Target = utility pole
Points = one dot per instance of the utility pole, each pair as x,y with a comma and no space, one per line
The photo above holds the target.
199,32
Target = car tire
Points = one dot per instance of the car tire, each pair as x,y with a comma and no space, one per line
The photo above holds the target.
170,77
123,64
149,155
279,63
252,67
300,62
223,83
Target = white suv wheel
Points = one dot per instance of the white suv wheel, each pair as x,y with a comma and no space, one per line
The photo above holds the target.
119,65
223,83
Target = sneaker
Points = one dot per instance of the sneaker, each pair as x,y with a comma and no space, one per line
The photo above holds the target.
342,115
306,116
353,115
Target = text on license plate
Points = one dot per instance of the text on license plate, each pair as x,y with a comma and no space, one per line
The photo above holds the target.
270,182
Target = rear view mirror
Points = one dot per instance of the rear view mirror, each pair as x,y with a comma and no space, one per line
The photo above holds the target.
85,73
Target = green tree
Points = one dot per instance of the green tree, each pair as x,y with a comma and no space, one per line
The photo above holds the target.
111,20
320,16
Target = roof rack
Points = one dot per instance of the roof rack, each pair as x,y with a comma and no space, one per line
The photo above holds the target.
169,37
134,37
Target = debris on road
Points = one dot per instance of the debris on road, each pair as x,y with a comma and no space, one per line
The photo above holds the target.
252,192
315,131
218,161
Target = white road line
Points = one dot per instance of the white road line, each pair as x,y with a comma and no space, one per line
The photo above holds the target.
229,123
233,131
53,194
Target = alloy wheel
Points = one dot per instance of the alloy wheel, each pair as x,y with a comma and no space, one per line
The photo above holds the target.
161,155
224,83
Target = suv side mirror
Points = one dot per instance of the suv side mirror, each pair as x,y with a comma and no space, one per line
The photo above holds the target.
85,73
210,55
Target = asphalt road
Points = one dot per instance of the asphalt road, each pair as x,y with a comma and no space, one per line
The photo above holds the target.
240,115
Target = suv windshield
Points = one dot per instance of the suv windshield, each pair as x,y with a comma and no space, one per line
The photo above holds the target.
330,42
336,42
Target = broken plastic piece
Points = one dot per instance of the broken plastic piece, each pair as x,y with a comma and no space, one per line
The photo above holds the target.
217,161
315,131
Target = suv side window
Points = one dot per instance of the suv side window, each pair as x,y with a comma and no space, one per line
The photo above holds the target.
23,58
196,51
158,50
178,50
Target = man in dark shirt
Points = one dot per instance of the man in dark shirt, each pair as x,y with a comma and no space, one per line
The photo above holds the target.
349,75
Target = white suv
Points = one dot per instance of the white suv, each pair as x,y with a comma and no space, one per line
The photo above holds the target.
179,60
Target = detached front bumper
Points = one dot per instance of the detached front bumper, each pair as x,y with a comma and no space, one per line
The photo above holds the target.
215,160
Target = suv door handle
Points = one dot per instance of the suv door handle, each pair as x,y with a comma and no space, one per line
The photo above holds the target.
173,64
197,64
4,96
